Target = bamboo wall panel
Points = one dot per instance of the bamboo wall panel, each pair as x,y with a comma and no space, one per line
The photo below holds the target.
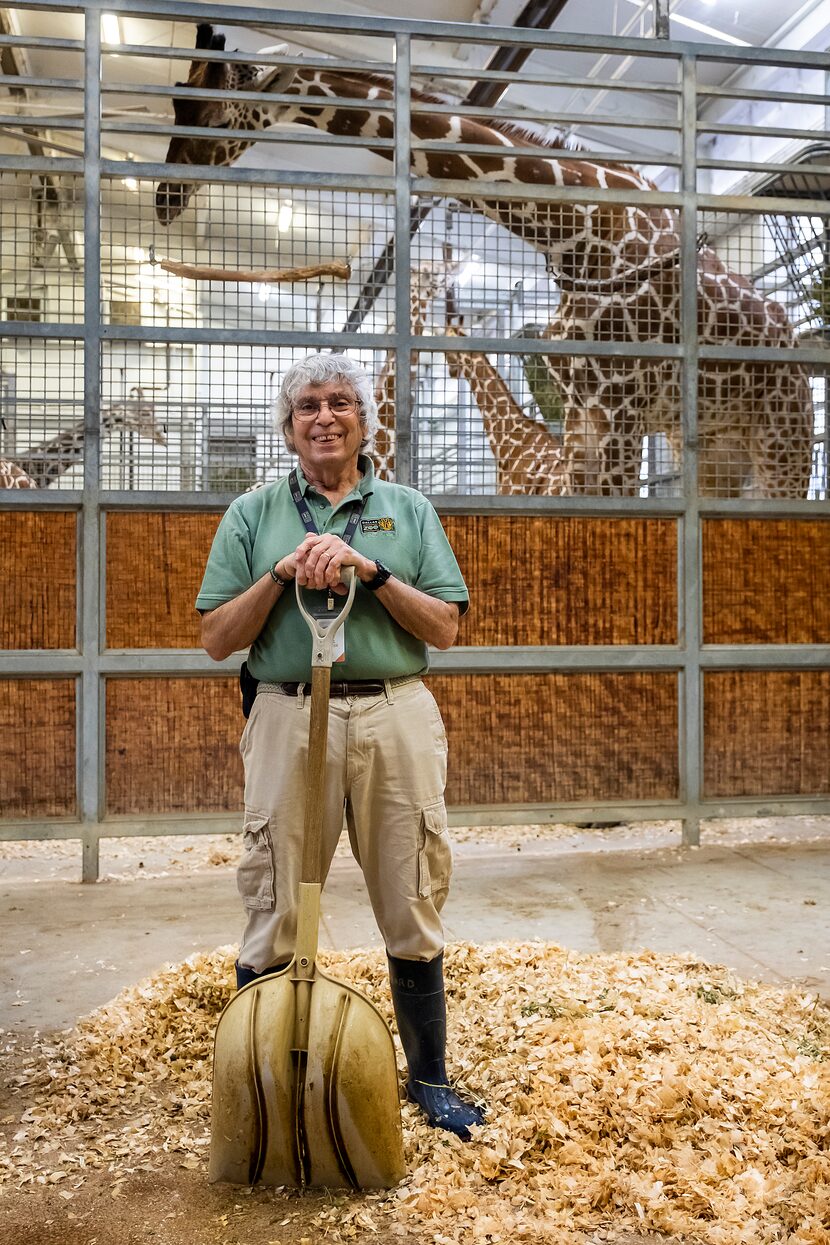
37,748
571,580
155,563
765,581
173,745
766,732
534,580
560,737
38,568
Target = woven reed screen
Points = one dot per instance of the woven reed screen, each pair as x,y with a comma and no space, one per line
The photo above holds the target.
155,563
534,580
38,568
37,748
172,745
540,580
560,737
765,581
766,732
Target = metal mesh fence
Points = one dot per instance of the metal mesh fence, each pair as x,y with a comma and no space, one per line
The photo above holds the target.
247,236
41,247
197,417
197,257
41,413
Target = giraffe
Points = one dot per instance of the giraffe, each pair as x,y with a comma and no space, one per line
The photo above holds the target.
617,267
428,280
528,455
40,465
12,476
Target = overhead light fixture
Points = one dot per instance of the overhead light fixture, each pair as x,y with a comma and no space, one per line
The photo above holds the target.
110,28
700,27
285,216
130,183
263,293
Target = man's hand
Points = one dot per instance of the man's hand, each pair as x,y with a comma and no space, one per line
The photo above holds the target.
318,562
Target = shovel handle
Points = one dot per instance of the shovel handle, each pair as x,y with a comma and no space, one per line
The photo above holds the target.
323,631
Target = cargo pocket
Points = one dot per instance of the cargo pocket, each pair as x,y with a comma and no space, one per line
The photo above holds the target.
255,874
434,852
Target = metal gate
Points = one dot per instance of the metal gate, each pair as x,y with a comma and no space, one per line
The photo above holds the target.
649,638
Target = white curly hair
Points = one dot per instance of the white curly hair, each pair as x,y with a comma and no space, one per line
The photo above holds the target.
319,369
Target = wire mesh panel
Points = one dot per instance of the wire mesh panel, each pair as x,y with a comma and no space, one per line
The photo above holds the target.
509,425
227,260
42,397
41,247
196,417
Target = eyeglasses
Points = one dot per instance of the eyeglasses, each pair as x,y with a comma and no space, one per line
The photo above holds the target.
311,408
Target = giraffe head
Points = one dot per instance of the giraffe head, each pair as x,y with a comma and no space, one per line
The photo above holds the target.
136,414
216,114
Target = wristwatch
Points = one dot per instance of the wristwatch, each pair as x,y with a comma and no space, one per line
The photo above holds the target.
277,578
379,579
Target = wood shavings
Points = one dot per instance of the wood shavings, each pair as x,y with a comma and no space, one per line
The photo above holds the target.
640,1094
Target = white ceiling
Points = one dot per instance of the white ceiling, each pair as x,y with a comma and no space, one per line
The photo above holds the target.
785,23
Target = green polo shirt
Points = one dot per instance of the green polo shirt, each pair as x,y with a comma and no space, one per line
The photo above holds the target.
398,526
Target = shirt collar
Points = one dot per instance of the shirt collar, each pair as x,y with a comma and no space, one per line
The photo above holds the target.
365,487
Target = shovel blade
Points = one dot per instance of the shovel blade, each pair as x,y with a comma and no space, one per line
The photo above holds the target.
325,1117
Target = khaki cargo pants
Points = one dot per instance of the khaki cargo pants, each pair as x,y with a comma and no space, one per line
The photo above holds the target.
386,771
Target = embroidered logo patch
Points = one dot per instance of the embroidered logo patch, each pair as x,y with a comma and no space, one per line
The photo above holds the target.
386,524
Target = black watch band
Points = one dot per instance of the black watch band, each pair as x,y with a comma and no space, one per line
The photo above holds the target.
278,579
379,578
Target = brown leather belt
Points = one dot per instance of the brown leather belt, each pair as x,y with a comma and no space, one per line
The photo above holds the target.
357,688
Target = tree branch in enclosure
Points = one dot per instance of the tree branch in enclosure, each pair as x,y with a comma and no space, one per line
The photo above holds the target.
197,272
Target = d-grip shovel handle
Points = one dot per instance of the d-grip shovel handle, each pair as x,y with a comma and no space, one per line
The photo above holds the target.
323,631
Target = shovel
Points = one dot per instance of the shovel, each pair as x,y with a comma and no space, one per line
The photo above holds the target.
305,1087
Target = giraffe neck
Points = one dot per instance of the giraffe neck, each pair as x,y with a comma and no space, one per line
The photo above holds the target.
582,242
528,456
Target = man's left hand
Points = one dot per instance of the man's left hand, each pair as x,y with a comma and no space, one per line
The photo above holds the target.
321,559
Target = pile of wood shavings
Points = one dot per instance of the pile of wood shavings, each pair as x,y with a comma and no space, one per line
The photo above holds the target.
645,1093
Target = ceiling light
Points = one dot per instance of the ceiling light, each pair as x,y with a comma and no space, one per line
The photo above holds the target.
700,27
285,216
110,28
130,183
263,293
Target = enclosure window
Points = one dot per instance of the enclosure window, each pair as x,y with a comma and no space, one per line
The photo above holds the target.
125,312
231,464
27,309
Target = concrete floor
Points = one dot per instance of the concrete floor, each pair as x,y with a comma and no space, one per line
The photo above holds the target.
762,908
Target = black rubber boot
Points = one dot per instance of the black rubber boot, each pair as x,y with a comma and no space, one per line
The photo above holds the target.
420,1010
244,976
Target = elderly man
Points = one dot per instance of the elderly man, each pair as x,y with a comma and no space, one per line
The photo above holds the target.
387,747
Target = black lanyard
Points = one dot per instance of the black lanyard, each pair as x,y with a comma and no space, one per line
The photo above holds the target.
309,524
